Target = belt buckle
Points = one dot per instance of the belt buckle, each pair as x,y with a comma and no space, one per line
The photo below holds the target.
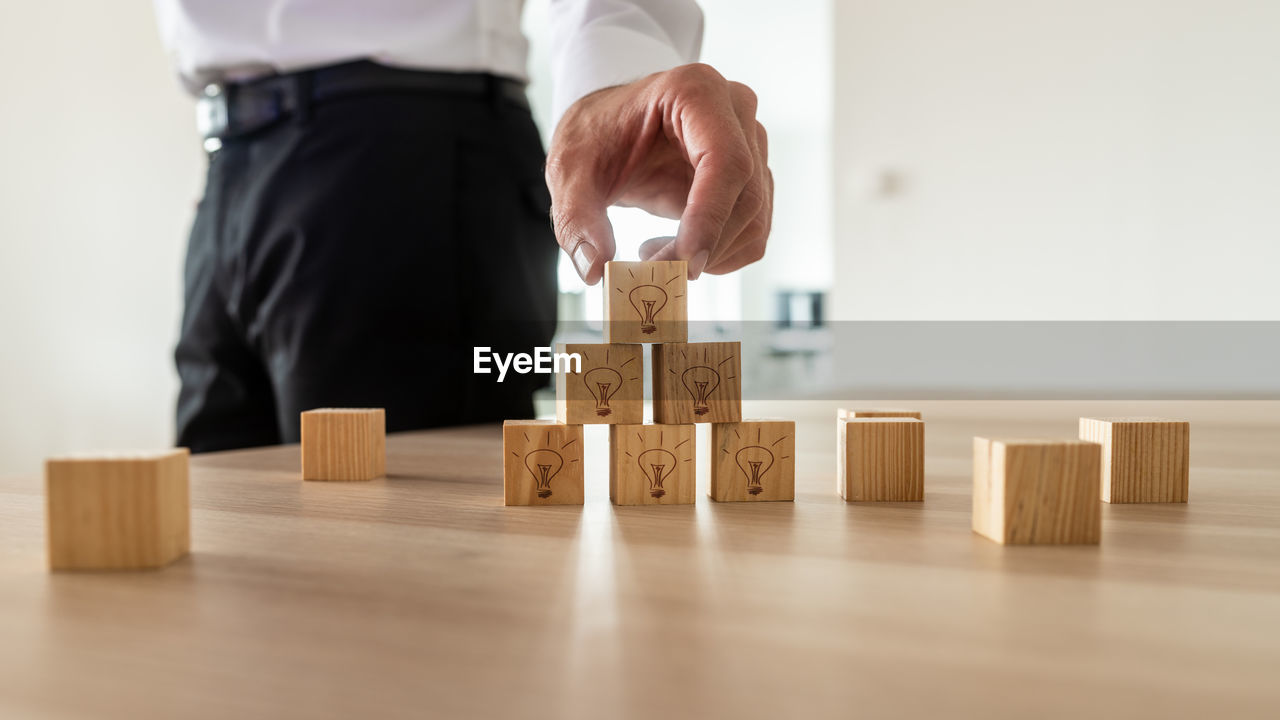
212,114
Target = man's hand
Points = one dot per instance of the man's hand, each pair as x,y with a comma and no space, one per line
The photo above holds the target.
683,144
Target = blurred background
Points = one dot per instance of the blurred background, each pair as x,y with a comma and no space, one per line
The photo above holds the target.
993,160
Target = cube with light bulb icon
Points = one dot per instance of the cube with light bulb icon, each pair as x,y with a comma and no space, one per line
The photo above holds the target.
652,465
753,461
542,463
697,382
608,387
646,302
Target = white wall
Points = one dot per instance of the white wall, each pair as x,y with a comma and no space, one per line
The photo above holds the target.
100,173
1067,159
783,51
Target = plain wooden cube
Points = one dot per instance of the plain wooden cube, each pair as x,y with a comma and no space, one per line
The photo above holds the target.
542,463
344,444
118,512
607,389
753,461
1037,492
646,302
651,464
697,382
842,413
883,459
1144,460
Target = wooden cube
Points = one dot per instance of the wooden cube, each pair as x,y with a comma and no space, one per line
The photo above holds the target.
646,302
883,459
542,463
753,460
651,465
1037,492
344,444
1144,460
697,382
607,389
118,512
842,413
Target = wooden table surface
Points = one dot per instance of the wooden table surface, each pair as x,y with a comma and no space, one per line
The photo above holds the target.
421,595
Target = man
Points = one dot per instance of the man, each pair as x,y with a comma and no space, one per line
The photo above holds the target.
376,204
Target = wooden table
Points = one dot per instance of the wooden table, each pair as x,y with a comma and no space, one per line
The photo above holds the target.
421,595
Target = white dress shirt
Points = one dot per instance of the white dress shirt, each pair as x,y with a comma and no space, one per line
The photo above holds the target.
595,43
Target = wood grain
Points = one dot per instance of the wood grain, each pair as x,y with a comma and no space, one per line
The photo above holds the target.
1037,492
608,388
753,461
344,444
842,413
652,465
121,512
883,459
421,594
1143,459
697,382
646,302
541,463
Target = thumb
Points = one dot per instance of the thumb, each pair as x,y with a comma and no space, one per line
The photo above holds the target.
582,228
659,248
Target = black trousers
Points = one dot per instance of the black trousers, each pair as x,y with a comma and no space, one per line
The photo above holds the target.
353,256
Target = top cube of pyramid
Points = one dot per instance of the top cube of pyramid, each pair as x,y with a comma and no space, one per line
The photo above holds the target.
646,302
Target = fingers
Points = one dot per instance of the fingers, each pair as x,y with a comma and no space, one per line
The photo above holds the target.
579,217
747,230
766,212
659,248
732,192
749,245
683,142
754,196
708,126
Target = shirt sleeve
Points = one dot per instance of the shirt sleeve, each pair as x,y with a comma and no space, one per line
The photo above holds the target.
597,44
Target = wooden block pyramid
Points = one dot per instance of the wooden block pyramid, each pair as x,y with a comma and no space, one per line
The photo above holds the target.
653,463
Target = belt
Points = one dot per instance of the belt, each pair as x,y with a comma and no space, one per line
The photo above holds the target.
237,109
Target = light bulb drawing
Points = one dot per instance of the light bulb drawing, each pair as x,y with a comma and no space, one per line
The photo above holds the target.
657,465
700,381
603,383
543,464
768,445
648,301
754,461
